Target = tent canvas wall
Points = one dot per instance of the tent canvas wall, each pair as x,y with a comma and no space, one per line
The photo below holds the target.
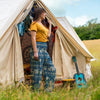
67,43
11,62
83,61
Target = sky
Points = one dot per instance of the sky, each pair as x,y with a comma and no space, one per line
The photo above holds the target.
78,12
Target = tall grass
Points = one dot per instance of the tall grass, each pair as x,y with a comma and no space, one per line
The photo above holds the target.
92,92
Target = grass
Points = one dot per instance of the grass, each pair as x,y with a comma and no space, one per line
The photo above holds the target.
92,92
94,47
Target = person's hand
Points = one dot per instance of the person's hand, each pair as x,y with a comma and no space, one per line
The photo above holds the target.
49,22
36,56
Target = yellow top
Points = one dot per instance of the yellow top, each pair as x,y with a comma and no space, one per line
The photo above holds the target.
41,31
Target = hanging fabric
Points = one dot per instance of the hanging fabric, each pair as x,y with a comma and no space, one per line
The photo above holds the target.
21,28
27,23
28,20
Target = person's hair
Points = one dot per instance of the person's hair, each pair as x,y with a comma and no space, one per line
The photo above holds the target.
37,13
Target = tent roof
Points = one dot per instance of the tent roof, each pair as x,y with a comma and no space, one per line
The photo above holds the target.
64,22
9,10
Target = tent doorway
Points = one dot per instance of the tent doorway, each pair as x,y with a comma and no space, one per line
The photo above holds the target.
25,39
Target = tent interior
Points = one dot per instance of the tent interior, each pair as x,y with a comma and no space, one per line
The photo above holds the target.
63,44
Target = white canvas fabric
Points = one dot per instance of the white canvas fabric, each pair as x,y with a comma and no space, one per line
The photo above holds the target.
9,11
11,62
64,22
67,43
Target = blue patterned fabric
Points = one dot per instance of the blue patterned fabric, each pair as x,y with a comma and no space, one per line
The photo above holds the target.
43,67
21,28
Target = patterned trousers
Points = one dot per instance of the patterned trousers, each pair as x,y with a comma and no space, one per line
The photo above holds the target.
43,66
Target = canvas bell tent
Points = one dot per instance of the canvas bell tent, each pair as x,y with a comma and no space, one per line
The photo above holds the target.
12,59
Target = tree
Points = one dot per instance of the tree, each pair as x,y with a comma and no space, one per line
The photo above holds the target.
91,30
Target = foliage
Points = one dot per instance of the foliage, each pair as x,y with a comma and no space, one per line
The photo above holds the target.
89,31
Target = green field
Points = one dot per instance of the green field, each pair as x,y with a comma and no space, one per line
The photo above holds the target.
92,92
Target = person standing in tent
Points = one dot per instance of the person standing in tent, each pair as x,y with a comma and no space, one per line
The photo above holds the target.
40,61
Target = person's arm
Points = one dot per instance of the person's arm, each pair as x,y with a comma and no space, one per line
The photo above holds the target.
49,33
33,38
